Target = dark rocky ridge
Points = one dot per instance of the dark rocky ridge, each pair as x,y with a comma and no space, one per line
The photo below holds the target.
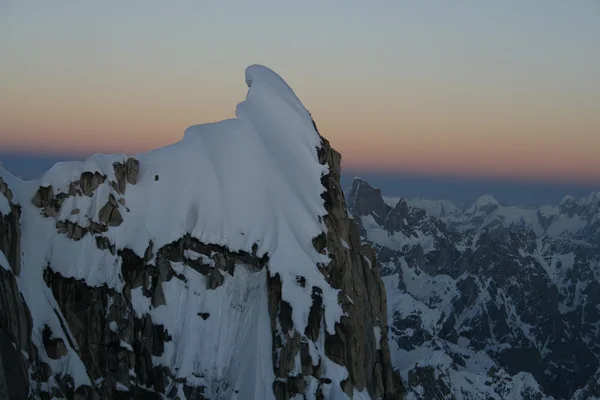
361,295
351,270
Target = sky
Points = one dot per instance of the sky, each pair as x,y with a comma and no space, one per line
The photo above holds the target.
475,90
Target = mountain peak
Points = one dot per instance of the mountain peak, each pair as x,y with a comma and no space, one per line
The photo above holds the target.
367,200
241,224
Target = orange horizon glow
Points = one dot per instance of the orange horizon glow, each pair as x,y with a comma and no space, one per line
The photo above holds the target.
501,91
416,144
415,160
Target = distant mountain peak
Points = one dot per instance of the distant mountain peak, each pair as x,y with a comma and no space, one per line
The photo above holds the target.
364,199
485,200
486,203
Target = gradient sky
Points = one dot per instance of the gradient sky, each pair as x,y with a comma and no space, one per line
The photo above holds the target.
507,89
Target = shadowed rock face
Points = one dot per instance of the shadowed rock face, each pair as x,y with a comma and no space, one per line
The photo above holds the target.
362,296
10,231
353,271
118,347
15,321
18,355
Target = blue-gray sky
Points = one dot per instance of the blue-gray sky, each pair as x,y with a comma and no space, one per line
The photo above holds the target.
472,89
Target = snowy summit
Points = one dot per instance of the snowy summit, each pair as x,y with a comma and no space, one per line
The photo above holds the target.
223,264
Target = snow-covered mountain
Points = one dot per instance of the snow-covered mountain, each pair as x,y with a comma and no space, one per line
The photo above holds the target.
224,266
488,301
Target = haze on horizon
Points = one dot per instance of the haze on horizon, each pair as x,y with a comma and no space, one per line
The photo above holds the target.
482,90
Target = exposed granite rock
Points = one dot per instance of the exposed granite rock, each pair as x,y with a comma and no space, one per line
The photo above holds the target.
90,313
362,297
10,233
111,340
109,214
132,166
117,345
126,173
362,294
89,182
43,197
15,339
5,190
72,230
21,368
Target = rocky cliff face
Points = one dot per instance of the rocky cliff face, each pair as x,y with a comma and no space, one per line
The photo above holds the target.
490,301
363,331
117,281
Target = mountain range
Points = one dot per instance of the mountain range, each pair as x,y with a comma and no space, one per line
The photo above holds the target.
488,301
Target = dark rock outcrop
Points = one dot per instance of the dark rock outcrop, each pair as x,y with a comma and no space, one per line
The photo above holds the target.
18,355
15,339
362,295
